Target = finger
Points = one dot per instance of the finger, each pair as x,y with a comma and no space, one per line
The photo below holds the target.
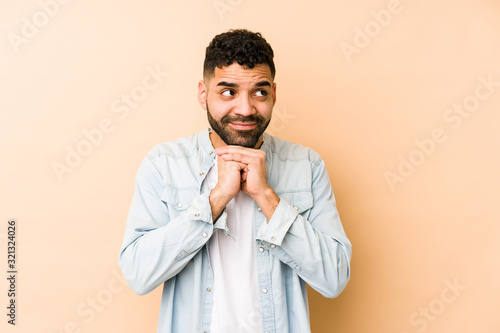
244,174
240,158
228,161
239,166
237,150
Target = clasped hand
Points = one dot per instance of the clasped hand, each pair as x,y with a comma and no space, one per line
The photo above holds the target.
241,168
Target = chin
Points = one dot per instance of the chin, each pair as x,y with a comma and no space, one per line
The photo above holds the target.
244,143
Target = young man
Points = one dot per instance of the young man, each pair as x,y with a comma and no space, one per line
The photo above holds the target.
233,221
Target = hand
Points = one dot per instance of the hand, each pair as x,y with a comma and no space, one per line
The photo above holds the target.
252,163
229,177
245,169
228,185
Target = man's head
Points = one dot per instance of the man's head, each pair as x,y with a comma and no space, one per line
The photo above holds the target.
242,46
238,89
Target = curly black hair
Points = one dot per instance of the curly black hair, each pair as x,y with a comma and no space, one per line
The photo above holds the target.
241,45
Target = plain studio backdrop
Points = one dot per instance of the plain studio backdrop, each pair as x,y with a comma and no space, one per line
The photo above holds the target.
401,99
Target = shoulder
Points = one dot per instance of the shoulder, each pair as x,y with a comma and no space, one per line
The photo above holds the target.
171,161
181,148
175,157
289,151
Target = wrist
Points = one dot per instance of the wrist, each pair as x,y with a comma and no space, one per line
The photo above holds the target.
220,195
267,200
218,201
264,195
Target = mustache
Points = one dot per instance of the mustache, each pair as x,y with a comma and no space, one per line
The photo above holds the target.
242,119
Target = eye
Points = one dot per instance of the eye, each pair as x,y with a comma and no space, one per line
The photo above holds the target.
228,93
261,93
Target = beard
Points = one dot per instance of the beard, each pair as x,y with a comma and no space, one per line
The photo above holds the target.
235,137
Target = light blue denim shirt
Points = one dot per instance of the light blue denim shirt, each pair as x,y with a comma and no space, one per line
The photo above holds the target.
170,224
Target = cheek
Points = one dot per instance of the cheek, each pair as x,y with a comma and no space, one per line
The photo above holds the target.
218,110
266,109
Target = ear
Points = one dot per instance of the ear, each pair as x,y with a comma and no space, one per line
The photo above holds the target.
202,94
274,94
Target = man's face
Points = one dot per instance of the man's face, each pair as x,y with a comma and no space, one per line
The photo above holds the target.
239,103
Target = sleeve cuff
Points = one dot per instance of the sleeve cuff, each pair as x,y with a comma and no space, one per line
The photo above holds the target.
221,223
275,230
200,209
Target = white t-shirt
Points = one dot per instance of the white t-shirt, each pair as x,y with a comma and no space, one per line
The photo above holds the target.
236,300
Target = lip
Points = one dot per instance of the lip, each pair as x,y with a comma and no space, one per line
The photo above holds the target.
243,126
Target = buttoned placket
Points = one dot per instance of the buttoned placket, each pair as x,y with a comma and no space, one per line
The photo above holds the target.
263,269
209,276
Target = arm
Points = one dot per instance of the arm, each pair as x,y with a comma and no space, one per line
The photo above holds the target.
316,248
155,248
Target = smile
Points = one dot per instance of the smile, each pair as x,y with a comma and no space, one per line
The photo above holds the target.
243,126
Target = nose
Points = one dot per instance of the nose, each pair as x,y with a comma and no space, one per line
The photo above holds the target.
245,106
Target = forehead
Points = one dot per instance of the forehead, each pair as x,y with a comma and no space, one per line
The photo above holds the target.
237,73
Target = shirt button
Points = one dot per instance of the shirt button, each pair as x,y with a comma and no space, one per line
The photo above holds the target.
202,173
273,246
179,205
261,249
296,208
264,291
208,289
204,235
259,209
273,238
211,153
197,214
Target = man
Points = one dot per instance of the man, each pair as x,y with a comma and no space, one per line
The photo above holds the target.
233,221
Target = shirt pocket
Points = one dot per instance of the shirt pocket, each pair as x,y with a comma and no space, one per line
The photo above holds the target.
301,201
178,200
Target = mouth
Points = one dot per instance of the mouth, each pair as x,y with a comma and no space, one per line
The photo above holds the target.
243,126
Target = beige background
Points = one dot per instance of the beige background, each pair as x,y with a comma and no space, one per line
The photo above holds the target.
363,102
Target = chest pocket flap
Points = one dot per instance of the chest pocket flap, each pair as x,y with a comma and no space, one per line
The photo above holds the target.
178,199
301,201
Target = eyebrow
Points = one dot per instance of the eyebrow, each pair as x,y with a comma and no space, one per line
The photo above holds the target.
227,84
234,85
263,84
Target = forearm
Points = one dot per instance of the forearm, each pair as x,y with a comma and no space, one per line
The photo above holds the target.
218,201
319,257
309,236
267,201
162,234
158,255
